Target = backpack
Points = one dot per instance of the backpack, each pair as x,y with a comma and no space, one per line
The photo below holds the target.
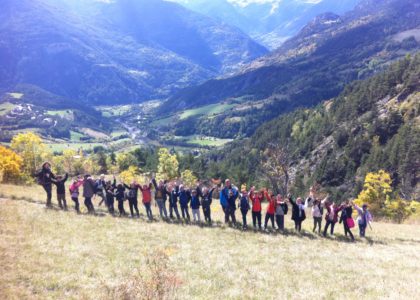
285,208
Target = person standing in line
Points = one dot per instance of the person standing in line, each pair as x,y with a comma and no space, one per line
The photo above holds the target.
231,207
44,178
160,197
256,200
364,219
184,199
132,198
89,189
331,217
298,212
60,183
195,205
100,186
347,219
173,201
281,209
110,195
269,215
206,200
146,191
120,197
74,192
244,207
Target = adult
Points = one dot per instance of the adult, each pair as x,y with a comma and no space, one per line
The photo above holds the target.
89,189
173,201
195,205
317,209
347,219
146,191
132,198
298,212
100,187
228,196
160,197
120,196
224,194
364,219
281,209
244,206
269,215
44,178
110,195
61,190
184,199
74,192
331,217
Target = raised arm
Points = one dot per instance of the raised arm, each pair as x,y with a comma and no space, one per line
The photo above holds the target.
154,183
126,186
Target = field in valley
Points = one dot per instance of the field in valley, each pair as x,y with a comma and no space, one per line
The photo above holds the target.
55,254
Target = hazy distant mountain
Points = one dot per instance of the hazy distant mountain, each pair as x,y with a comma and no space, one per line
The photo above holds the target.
114,51
270,22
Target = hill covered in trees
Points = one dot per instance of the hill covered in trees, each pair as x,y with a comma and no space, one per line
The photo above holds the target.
314,66
373,124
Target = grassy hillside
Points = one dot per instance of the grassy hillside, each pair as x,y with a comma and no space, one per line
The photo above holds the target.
55,254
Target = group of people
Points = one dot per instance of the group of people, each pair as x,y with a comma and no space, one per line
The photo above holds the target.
231,199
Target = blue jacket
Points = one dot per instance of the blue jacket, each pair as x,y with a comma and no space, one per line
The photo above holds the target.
184,198
195,202
244,203
224,195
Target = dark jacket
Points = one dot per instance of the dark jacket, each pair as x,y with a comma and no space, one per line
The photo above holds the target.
298,214
132,191
119,194
61,188
45,176
244,202
89,188
231,201
195,202
206,200
346,213
173,197
184,198
110,191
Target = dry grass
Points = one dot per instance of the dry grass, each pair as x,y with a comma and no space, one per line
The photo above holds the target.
55,254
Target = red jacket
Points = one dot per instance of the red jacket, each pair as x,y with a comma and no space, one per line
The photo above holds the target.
336,210
146,193
256,201
271,208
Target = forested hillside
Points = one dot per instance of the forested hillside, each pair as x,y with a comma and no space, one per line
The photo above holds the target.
374,124
312,67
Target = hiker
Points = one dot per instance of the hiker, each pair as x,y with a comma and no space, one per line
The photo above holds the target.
281,209
74,192
160,197
364,218
173,201
120,197
224,195
244,207
110,195
269,215
332,216
298,212
231,206
195,204
132,198
89,189
347,219
44,178
206,200
100,186
146,191
60,181
256,199
184,199
317,209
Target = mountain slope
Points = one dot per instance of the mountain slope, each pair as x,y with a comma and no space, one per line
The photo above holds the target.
314,66
114,51
374,124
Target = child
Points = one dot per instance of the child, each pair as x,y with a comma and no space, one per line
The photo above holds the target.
195,205
269,215
184,199
280,210
74,192
244,206
59,181
110,194
206,200
120,196
132,198
146,191
256,199
363,219
298,212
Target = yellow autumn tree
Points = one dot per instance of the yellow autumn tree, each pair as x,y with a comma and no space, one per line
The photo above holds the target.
132,173
33,151
188,178
376,191
168,165
10,165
